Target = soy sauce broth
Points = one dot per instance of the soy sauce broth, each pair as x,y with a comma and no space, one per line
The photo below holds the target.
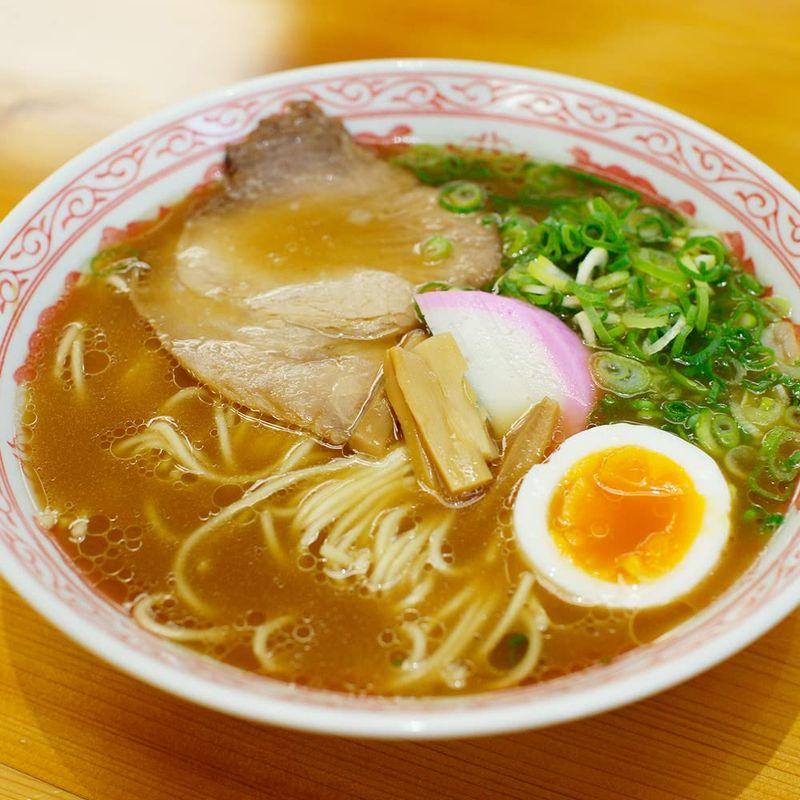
122,519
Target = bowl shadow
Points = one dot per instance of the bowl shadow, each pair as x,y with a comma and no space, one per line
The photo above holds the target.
101,734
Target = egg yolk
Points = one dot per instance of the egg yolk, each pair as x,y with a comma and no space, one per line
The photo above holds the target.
625,514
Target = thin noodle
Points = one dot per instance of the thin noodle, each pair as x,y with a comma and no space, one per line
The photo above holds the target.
365,523
518,600
322,508
271,536
143,613
71,332
358,485
76,365
161,435
344,526
177,398
457,602
435,542
388,528
390,568
417,538
318,494
343,557
415,570
223,436
531,658
419,641
261,636
457,641
632,632
257,494
417,594
352,563
296,455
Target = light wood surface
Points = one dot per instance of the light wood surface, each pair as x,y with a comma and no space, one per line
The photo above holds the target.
71,727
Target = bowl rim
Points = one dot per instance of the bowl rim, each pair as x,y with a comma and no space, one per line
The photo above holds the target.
405,723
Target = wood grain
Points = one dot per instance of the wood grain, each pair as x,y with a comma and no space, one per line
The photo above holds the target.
72,727
16,785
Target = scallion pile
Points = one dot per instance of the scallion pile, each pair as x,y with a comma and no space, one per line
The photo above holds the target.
685,338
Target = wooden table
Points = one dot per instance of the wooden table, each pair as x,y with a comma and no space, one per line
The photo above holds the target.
72,727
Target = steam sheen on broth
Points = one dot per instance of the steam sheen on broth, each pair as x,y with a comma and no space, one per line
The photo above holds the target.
266,547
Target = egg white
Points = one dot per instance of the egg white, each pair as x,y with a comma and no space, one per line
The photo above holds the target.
558,573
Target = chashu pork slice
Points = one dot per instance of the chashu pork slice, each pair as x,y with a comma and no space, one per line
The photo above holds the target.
283,290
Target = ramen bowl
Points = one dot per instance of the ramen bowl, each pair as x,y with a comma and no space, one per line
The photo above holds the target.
151,164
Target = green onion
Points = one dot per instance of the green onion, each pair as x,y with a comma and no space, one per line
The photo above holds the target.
650,348
702,292
749,285
112,259
597,324
589,178
437,248
767,521
761,483
571,241
725,430
679,342
507,165
548,273
757,357
517,645
616,331
653,229
703,257
686,382
516,235
647,410
779,306
612,280
753,514
644,320
748,320
677,410
771,521
783,464
792,417
546,177
623,376
658,265
622,261
537,294
585,325
462,197
431,164
760,411
741,460
433,286
679,320
703,430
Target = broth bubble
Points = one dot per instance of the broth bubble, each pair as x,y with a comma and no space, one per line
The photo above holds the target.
306,562
387,637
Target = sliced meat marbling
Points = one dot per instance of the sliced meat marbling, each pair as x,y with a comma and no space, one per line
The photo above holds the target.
283,290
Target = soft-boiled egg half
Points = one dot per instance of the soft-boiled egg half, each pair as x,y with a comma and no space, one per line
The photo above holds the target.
623,516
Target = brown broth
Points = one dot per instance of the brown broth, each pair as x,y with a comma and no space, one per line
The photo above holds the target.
122,520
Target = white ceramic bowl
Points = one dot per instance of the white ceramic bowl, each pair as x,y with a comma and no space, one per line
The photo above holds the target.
154,162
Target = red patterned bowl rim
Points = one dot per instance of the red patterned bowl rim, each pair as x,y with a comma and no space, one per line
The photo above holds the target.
671,150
